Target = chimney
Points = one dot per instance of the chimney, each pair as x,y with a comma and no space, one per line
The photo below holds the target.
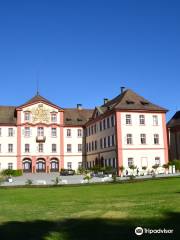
79,106
106,100
122,89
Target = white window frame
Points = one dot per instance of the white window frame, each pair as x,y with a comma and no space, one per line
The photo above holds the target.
69,165
129,139
27,132
69,148
79,147
27,148
130,161
40,147
10,165
27,116
155,120
53,132
53,117
54,148
10,132
79,132
40,132
143,138
156,139
68,132
128,119
10,148
142,119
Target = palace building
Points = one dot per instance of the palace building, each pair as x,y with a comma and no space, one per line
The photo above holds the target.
39,136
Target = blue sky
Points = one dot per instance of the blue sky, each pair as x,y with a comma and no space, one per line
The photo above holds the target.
83,51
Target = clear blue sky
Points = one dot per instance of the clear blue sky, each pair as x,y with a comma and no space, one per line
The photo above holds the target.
83,51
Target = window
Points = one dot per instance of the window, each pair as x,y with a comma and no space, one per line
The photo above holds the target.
69,165
79,147
130,162
68,133
27,116
113,140
53,117
27,148
92,130
54,148
143,138
141,119
108,123
69,148
27,131
95,130
10,165
100,126
95,145
0,132
10,132
112,121
109,141
105,142
101,145
40,132
79,164
157,160
155,120
40,147
79,132
53,132
92,146
128,119
104,123
129,138
87,147
156,138
10,148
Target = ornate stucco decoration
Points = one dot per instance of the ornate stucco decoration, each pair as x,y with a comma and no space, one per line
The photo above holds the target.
40,114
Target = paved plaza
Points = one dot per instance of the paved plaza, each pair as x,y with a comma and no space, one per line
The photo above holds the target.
49,178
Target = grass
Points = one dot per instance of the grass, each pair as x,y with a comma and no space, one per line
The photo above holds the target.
109,211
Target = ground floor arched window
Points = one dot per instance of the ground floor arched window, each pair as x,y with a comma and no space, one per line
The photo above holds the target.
40,165
27,165
54,165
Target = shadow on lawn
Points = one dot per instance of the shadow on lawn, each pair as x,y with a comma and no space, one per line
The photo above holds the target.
86,229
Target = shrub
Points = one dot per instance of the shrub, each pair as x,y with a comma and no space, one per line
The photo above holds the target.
155,166
11,172
87,177
176,163
144,168
132,167
29,182
56,181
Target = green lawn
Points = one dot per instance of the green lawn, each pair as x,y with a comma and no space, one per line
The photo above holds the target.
109,211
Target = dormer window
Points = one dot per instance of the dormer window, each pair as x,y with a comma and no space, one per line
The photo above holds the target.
129,102
53,117
144,103
26,116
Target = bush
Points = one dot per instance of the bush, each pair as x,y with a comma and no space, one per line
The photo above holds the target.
176,163
11,172
29,182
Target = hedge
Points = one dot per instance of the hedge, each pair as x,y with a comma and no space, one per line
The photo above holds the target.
13,173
